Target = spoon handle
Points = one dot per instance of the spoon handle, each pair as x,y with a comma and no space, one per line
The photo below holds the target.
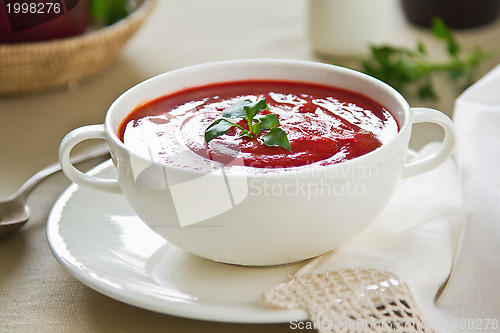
90,153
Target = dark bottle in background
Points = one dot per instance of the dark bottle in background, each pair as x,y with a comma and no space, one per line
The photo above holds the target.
457,14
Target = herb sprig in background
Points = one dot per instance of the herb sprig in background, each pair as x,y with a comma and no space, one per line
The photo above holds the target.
401,67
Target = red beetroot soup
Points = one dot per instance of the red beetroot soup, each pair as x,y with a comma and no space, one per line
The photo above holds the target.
324,125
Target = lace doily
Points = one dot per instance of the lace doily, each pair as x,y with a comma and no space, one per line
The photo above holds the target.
351,301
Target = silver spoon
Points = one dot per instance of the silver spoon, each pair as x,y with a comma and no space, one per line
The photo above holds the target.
14,211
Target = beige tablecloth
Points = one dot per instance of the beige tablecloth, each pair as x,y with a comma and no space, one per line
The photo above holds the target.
39,295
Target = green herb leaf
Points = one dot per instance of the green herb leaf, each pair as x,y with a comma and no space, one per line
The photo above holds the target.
442,31
421,48
265,122
251,111
218,128
235,110
247,134
107,12
426,90
277,138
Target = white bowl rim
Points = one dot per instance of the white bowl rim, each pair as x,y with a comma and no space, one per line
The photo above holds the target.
405,126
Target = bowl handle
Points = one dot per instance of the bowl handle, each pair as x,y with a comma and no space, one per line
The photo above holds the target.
71,140
423,115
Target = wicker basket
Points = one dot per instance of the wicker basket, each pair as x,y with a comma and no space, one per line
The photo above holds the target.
37,66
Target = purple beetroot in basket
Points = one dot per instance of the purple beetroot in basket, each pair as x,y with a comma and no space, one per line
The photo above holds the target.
32,21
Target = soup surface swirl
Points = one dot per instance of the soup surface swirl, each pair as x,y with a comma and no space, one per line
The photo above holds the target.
324,125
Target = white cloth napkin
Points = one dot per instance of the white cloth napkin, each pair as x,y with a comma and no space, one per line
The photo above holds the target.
415,238
440,232
472,295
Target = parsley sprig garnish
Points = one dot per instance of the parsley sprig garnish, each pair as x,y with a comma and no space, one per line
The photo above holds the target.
401,67
257,124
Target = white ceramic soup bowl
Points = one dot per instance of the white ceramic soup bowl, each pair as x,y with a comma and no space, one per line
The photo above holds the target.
235,214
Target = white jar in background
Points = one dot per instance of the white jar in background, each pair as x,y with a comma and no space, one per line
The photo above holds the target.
348,27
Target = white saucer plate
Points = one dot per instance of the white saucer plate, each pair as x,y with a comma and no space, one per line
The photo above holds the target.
97,237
